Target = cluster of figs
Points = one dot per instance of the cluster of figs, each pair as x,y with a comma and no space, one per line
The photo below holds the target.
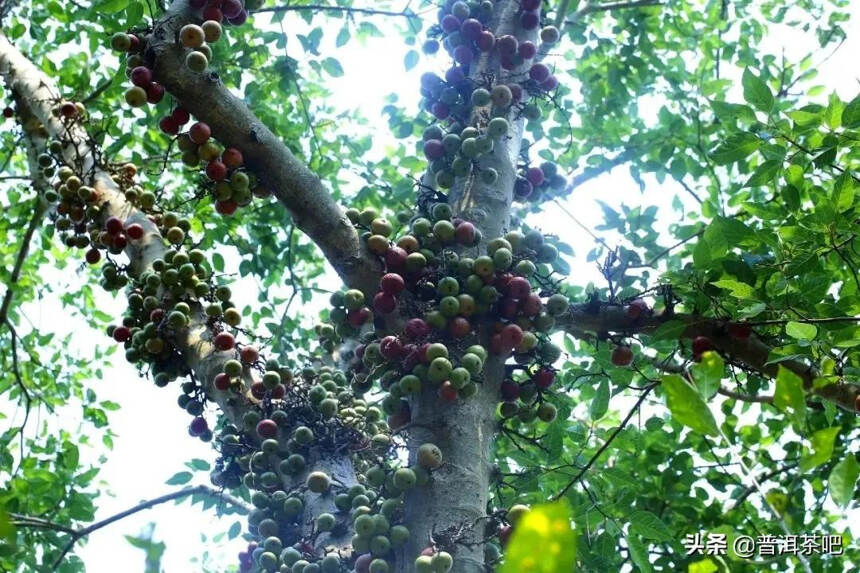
474,113
227,180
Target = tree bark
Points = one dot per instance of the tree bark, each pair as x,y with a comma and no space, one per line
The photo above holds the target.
234,125
450,511
751,353
195,343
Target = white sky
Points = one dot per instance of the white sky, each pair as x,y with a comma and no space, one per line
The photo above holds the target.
152,443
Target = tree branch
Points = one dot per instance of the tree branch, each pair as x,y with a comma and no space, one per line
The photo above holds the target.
609,7
233,124
405,13
751,489
751,352
78,534
745,397
609,440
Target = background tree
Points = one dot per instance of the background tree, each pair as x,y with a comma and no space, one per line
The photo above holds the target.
458,321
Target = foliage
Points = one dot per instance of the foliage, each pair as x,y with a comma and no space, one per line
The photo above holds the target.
762,230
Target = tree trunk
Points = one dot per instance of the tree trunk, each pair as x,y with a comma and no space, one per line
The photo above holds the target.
450,511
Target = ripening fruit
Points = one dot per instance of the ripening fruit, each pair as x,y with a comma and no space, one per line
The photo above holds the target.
199,133
192,36
135,96
547,412
637,308
621,356
429,456
318,482
211,31
516,512
224,341
740,330
501,96
702,344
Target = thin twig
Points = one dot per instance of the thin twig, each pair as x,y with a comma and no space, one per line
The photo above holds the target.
606,444
200,489
405,13
609,7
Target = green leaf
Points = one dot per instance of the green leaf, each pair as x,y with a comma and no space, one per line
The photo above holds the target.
199,465
111,6
234,530
638,554
843,192
735,148
342,37
789,396
843,480
600,402
764,173
134,14
179,478
547,526
669,330
649,526
706,565
708,373
702,254
737,288
756,91
410,60
332,67
218,262
687,406
851,114
801,330
822,448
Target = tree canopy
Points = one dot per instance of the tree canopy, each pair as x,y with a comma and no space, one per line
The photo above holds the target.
703,382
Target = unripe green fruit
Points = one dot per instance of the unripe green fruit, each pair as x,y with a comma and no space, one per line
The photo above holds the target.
498,127
442,562
379,566
268,561
380,545
325,522
367,216
196,62
441,212
557,304
303,435
135,96
233,368
364,526
480,97
293,506
472,363
525,268
268,528
290,555
330,563
424,564
120,42
547,412
293,465
429,456
404,479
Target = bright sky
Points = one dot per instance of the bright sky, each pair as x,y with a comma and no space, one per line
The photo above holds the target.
152,442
